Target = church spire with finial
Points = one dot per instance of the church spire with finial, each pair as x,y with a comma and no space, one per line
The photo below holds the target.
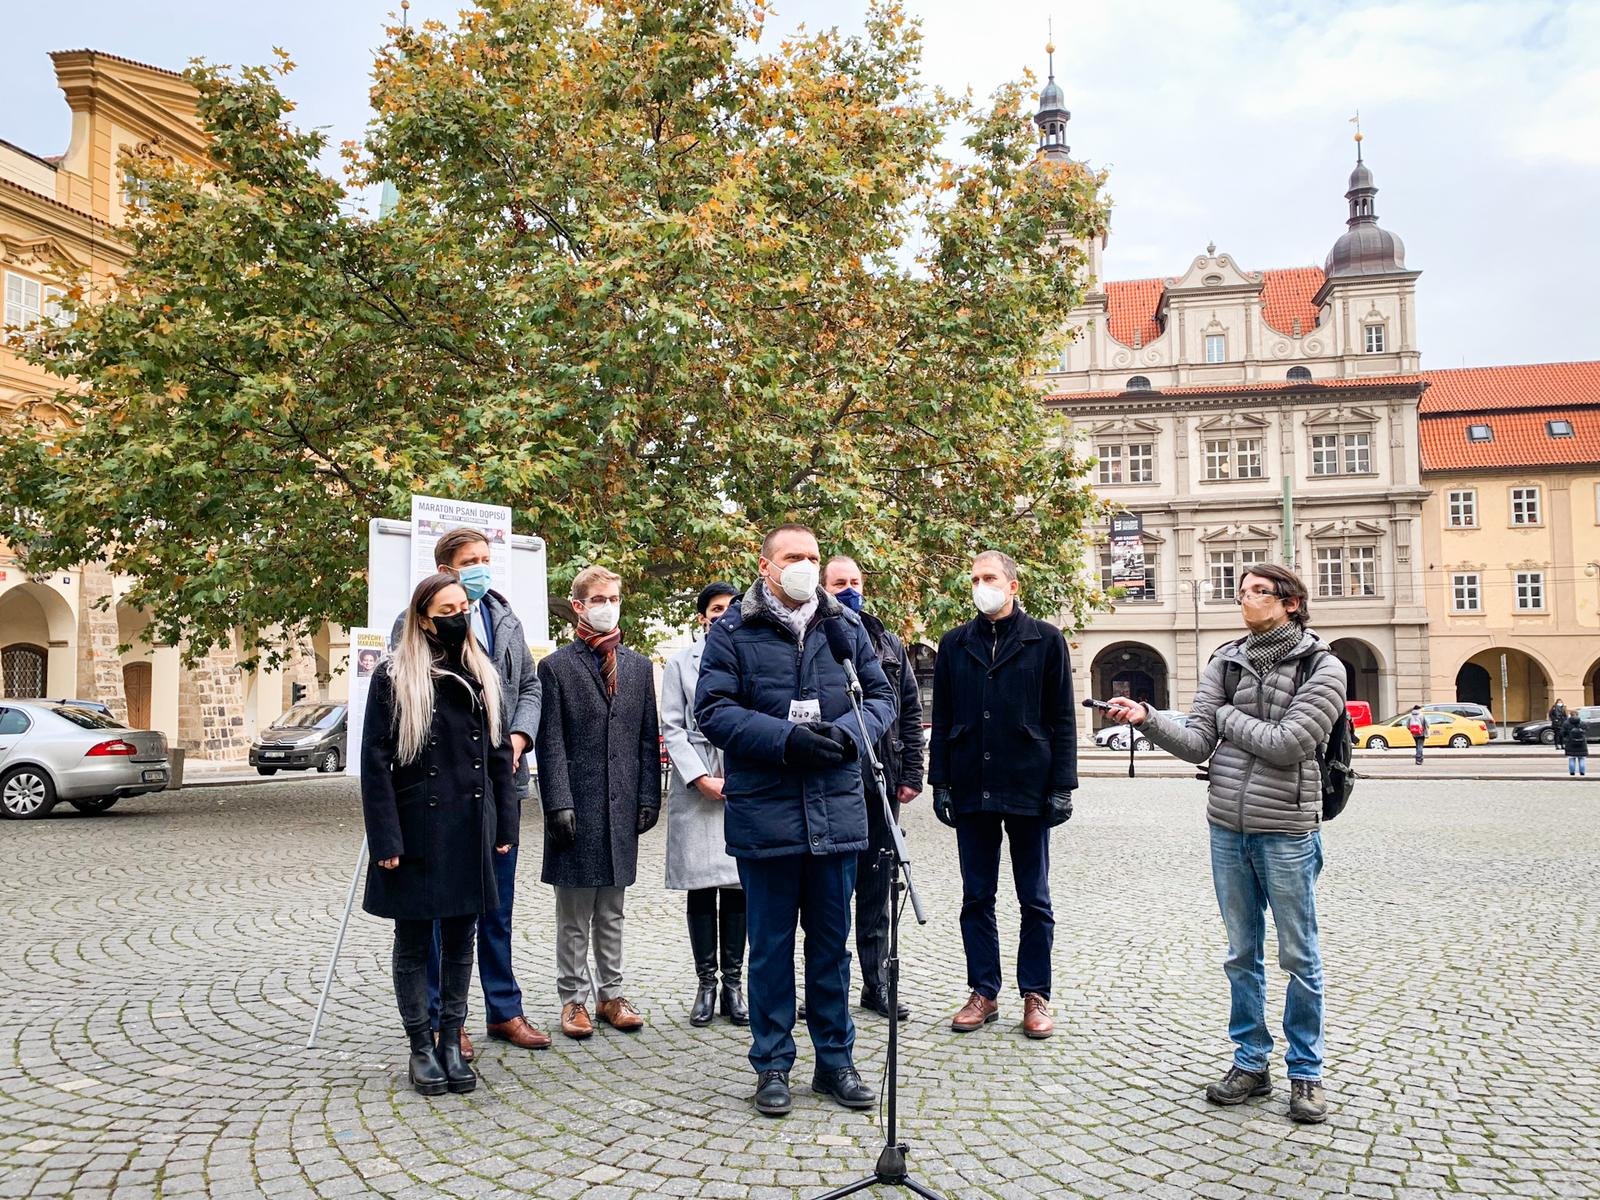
1052,116
1364,248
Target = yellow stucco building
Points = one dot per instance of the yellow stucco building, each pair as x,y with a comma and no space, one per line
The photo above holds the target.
59,221
1511,536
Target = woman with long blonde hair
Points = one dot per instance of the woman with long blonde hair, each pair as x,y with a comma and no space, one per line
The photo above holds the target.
439,802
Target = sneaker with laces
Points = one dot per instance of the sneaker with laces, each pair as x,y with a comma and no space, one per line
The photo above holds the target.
1238,1085
1307,1102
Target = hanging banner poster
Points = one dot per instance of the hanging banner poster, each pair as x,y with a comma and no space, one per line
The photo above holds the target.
432,517
367,648
1127,554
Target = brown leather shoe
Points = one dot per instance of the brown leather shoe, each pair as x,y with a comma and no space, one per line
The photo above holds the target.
619,1014
575,1021
978,1011
1036,1022
519,1032
467,1052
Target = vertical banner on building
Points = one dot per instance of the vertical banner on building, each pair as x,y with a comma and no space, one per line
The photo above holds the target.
367,648
1127,554
433,516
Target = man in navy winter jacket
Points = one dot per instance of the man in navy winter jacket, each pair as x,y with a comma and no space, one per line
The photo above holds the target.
773,698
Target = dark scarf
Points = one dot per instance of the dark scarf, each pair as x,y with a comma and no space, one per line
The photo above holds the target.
605,645
1267,650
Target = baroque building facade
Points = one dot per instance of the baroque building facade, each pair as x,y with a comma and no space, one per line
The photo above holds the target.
70,634
1254,416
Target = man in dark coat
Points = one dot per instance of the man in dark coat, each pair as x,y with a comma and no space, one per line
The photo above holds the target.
464,552
1003,758
600,782
772,696
900,752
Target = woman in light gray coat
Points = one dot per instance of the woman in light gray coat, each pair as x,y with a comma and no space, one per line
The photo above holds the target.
697,854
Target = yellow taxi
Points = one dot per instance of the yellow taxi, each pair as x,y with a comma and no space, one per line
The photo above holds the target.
1444,729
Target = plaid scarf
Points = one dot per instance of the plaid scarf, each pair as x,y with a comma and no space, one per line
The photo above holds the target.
605,645
1267,650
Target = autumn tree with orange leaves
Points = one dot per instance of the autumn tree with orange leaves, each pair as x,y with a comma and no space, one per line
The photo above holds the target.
650,281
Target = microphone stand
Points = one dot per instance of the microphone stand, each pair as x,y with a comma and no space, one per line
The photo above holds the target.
891,1166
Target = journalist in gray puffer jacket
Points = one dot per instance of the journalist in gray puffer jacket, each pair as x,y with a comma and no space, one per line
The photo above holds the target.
1262,741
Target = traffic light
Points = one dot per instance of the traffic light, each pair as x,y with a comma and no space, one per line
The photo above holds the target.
297,693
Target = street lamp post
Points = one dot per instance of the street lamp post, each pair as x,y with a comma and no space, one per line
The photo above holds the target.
1197,589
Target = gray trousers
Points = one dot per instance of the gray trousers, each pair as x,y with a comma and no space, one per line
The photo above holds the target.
585,917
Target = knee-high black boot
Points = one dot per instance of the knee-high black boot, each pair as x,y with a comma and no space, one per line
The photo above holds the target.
703,944
427,1075
732,929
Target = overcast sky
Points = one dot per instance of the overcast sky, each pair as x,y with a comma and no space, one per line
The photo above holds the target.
1218,119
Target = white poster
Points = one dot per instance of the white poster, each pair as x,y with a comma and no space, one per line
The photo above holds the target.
367,650
432,517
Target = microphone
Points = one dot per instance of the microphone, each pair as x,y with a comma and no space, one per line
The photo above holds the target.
839,646
1093,703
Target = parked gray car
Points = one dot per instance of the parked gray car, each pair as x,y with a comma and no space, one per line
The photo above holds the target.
53,751
308,735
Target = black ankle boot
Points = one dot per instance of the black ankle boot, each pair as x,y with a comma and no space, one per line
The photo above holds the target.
459,1077
732,933
427,1075
703,944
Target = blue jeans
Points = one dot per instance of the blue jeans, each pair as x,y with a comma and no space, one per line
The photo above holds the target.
1577,764
1252,872
502,998
815,890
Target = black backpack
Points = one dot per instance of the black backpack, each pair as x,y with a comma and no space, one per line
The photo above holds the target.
1333,759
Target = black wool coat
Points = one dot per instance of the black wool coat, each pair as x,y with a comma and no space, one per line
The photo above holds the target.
600,756
1005,734
442,814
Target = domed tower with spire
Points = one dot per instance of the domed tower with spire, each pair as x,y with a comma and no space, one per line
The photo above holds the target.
1367,298
1052,118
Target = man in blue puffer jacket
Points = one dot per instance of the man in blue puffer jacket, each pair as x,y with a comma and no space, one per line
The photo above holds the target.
773,698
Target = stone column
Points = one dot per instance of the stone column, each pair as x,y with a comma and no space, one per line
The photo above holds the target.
99,664
211,707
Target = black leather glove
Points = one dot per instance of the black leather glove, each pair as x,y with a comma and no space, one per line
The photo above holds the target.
561,827
808,748
647,819
944,806
847,744
1060,808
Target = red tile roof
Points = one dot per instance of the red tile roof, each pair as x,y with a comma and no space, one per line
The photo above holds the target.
1131,309
1485,389
1271,387
1285,295
1520,440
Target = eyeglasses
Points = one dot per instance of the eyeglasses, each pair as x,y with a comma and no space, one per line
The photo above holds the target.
1256,594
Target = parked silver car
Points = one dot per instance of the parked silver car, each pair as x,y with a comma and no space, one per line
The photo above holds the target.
53,751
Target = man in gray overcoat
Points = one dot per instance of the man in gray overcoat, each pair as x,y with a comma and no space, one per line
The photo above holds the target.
697,853
599,780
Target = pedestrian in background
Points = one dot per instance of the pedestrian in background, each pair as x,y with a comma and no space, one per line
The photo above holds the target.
1417,727
1575,741
600,783
440,807
697,850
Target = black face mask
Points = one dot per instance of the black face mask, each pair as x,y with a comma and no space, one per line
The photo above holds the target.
452,631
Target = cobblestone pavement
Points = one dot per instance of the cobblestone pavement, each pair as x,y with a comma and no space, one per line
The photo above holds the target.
161,963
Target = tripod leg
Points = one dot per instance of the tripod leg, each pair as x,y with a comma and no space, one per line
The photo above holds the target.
926,1193
850,1189
338,944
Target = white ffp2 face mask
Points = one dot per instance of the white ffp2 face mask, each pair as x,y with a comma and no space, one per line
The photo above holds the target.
799,580
602,618
989,600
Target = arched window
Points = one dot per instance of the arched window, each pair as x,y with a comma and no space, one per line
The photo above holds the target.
1300,374
1138,384
23,669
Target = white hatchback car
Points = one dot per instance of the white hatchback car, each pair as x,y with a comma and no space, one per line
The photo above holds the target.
1115,737
50,750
